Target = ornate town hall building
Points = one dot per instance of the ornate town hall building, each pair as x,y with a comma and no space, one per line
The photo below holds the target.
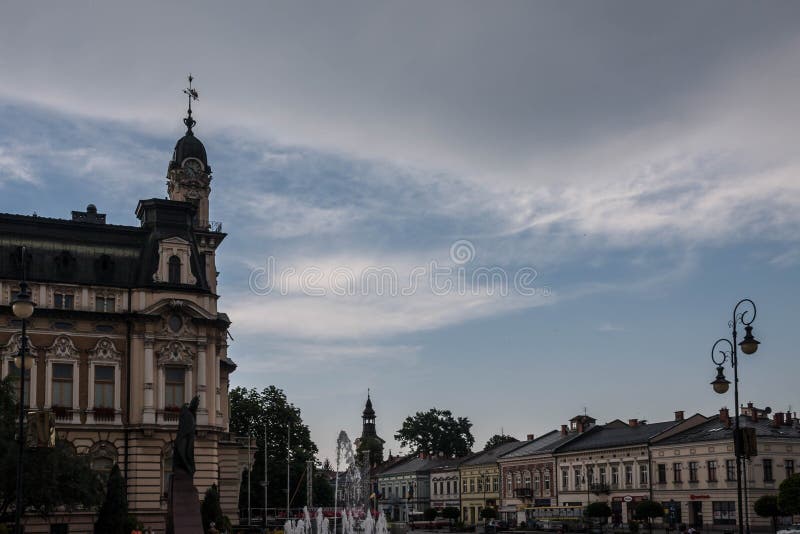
126,329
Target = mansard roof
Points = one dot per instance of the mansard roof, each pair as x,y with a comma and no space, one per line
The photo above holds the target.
78,251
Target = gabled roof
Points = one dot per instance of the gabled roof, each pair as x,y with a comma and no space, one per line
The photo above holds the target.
544,444
415,464
491,456
614,435
715,429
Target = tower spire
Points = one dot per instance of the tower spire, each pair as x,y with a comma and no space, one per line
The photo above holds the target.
192,94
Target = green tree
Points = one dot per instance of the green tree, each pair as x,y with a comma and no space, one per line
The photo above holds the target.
649,510
789,495
436,431
113,514
210,510
53,477
269,414
498,439
451,513
598,509
430,514
767,506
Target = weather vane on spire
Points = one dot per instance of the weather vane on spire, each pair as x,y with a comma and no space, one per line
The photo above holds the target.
192,94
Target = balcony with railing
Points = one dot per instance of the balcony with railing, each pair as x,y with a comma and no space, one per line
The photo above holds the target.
599,488
208,226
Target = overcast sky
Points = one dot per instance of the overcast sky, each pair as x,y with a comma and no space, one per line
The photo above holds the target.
639,158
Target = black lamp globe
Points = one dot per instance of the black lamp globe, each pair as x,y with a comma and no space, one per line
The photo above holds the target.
22,305
720,384
749,344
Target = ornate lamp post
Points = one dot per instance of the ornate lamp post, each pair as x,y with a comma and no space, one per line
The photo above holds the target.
749,345
22,306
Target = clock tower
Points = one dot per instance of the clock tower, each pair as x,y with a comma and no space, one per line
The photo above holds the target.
189,175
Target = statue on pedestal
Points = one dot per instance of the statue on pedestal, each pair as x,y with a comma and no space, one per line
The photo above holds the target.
184,502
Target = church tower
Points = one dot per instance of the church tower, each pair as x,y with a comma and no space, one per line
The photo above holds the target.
369,440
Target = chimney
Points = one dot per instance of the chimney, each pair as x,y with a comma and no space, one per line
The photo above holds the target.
563,430
788,419
633,422
530,437
679,415
724,417
777,419
754,413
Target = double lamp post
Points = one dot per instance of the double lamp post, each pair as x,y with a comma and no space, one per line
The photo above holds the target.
727,352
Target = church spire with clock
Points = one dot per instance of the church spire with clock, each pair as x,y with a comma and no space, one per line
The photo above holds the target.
189,175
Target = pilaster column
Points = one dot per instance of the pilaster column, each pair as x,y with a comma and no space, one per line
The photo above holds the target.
202,410
148,413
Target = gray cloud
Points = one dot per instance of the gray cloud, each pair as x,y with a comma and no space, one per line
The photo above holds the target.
520,92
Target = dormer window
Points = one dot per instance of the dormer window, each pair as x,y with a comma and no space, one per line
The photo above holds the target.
104,304
174,270
63,301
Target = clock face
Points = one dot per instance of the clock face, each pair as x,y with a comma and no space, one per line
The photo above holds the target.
193,167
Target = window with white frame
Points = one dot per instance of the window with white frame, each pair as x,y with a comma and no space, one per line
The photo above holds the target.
644,475
614,475
546,480
13,371
104,304
61,375
7,367
174,387
528,479
629,474
104,381
63,301
104,386
564,479
62,385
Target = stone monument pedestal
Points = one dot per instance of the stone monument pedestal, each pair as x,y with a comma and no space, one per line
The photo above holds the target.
184,505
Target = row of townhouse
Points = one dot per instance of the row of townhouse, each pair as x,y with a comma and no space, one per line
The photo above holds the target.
687,464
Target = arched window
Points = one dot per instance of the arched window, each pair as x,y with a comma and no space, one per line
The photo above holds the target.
174,270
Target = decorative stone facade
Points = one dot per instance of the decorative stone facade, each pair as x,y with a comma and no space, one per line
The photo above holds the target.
125,330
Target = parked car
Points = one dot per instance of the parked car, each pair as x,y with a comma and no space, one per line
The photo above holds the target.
793,529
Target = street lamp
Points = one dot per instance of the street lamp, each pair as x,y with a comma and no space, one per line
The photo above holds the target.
749,345
22,306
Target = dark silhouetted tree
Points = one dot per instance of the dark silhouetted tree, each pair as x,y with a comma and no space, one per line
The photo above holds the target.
113,515
767,506
789,495
252,412
211,511
498,439
436,431
649,510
